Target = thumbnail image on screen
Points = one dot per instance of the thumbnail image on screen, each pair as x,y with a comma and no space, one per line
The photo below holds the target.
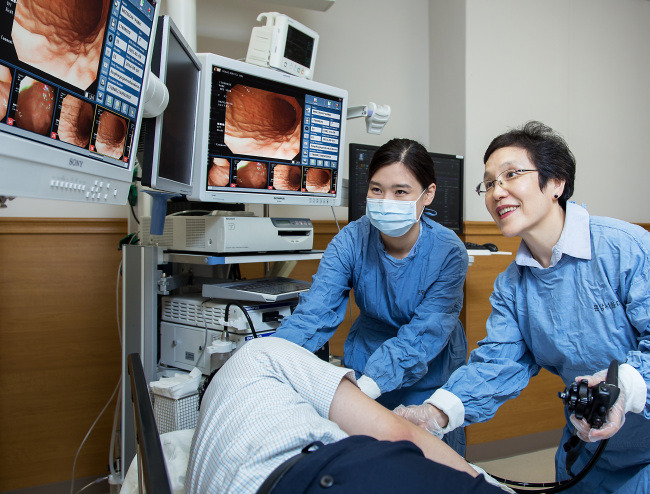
71,73
266,136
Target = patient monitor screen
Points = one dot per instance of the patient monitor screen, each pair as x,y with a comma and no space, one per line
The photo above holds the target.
71,73
268,137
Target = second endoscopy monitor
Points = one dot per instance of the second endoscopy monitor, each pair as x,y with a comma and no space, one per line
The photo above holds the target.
169,139
267,137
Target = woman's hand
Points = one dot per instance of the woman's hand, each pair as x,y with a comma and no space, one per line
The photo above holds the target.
426,416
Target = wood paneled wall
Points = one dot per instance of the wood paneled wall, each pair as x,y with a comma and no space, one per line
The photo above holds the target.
61,355
60,349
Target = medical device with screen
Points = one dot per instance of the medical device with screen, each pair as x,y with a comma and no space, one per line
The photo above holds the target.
168,140
447,203
267,137
72,80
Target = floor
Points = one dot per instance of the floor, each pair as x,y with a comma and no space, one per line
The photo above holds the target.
538,466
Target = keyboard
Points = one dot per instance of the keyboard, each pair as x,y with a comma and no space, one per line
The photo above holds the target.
473,246
257,290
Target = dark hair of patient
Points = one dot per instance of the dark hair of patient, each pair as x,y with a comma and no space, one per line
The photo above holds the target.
411,154
546,149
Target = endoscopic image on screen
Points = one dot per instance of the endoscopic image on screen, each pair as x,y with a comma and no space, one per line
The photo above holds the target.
34,106
262,123
286,177
219,173
76,121
252,174
61,38
318,180
5,89
111,135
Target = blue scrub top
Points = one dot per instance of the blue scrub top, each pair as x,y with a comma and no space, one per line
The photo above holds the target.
572,319
408,337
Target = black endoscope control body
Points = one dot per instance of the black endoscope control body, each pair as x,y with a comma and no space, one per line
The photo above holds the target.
592,404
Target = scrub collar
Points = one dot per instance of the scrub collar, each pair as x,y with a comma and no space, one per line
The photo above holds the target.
575,240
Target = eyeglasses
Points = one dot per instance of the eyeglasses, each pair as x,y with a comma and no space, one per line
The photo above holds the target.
508,175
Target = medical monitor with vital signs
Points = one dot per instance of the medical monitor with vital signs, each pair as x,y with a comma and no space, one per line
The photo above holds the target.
268,137
72,79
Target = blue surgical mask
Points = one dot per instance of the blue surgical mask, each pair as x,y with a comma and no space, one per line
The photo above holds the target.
392,218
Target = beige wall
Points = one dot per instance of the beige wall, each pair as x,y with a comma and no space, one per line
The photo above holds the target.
581,66
458,72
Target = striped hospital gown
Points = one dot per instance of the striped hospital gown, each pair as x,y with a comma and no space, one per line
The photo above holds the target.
263,406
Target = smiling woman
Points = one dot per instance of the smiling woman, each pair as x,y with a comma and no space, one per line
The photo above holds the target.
61,37
575,299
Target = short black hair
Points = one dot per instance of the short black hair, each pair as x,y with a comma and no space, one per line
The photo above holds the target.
546,149
411,154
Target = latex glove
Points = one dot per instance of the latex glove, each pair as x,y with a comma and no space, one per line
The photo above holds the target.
615,417
425,416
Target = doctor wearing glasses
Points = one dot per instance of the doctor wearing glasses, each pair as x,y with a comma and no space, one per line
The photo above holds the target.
407,272
576,297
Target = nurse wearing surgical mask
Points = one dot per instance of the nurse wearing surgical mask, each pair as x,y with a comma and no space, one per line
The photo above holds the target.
407,273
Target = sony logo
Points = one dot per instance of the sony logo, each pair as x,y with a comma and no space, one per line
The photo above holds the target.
76,162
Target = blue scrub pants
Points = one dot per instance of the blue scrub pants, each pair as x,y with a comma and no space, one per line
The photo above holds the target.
363,464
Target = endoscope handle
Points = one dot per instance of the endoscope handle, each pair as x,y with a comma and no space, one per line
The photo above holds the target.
612,373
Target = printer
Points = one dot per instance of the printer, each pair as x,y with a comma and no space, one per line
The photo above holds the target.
240,234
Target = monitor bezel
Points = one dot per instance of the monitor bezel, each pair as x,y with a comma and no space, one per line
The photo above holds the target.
32,168
200,192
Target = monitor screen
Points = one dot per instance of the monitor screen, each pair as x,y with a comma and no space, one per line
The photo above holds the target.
447,203
72,77
168,140
268,137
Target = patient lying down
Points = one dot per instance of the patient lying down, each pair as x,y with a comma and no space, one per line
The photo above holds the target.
273,399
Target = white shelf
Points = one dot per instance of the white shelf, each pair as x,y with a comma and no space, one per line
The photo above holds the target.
221,259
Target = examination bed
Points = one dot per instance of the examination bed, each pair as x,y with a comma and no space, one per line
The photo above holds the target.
161,461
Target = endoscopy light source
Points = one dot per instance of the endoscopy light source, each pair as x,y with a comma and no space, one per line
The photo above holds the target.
376,116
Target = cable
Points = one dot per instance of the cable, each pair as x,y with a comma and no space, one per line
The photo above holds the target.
111,449
133,214
250,322
612,381
205,334
118,403
74,463
556,486
96,481
337,221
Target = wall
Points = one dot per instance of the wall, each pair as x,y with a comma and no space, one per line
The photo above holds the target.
447,76
582,67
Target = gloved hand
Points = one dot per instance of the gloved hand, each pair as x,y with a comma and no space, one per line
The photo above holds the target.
615,417
426,416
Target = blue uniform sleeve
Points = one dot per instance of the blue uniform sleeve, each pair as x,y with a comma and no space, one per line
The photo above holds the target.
322,308
502,365
403,360
638,311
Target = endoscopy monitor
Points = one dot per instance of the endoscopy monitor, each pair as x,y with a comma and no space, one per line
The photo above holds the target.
268,137
168,140
72,79
447,203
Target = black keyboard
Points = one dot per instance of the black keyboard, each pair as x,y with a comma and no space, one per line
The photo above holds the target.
274,286
262,289
473,246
